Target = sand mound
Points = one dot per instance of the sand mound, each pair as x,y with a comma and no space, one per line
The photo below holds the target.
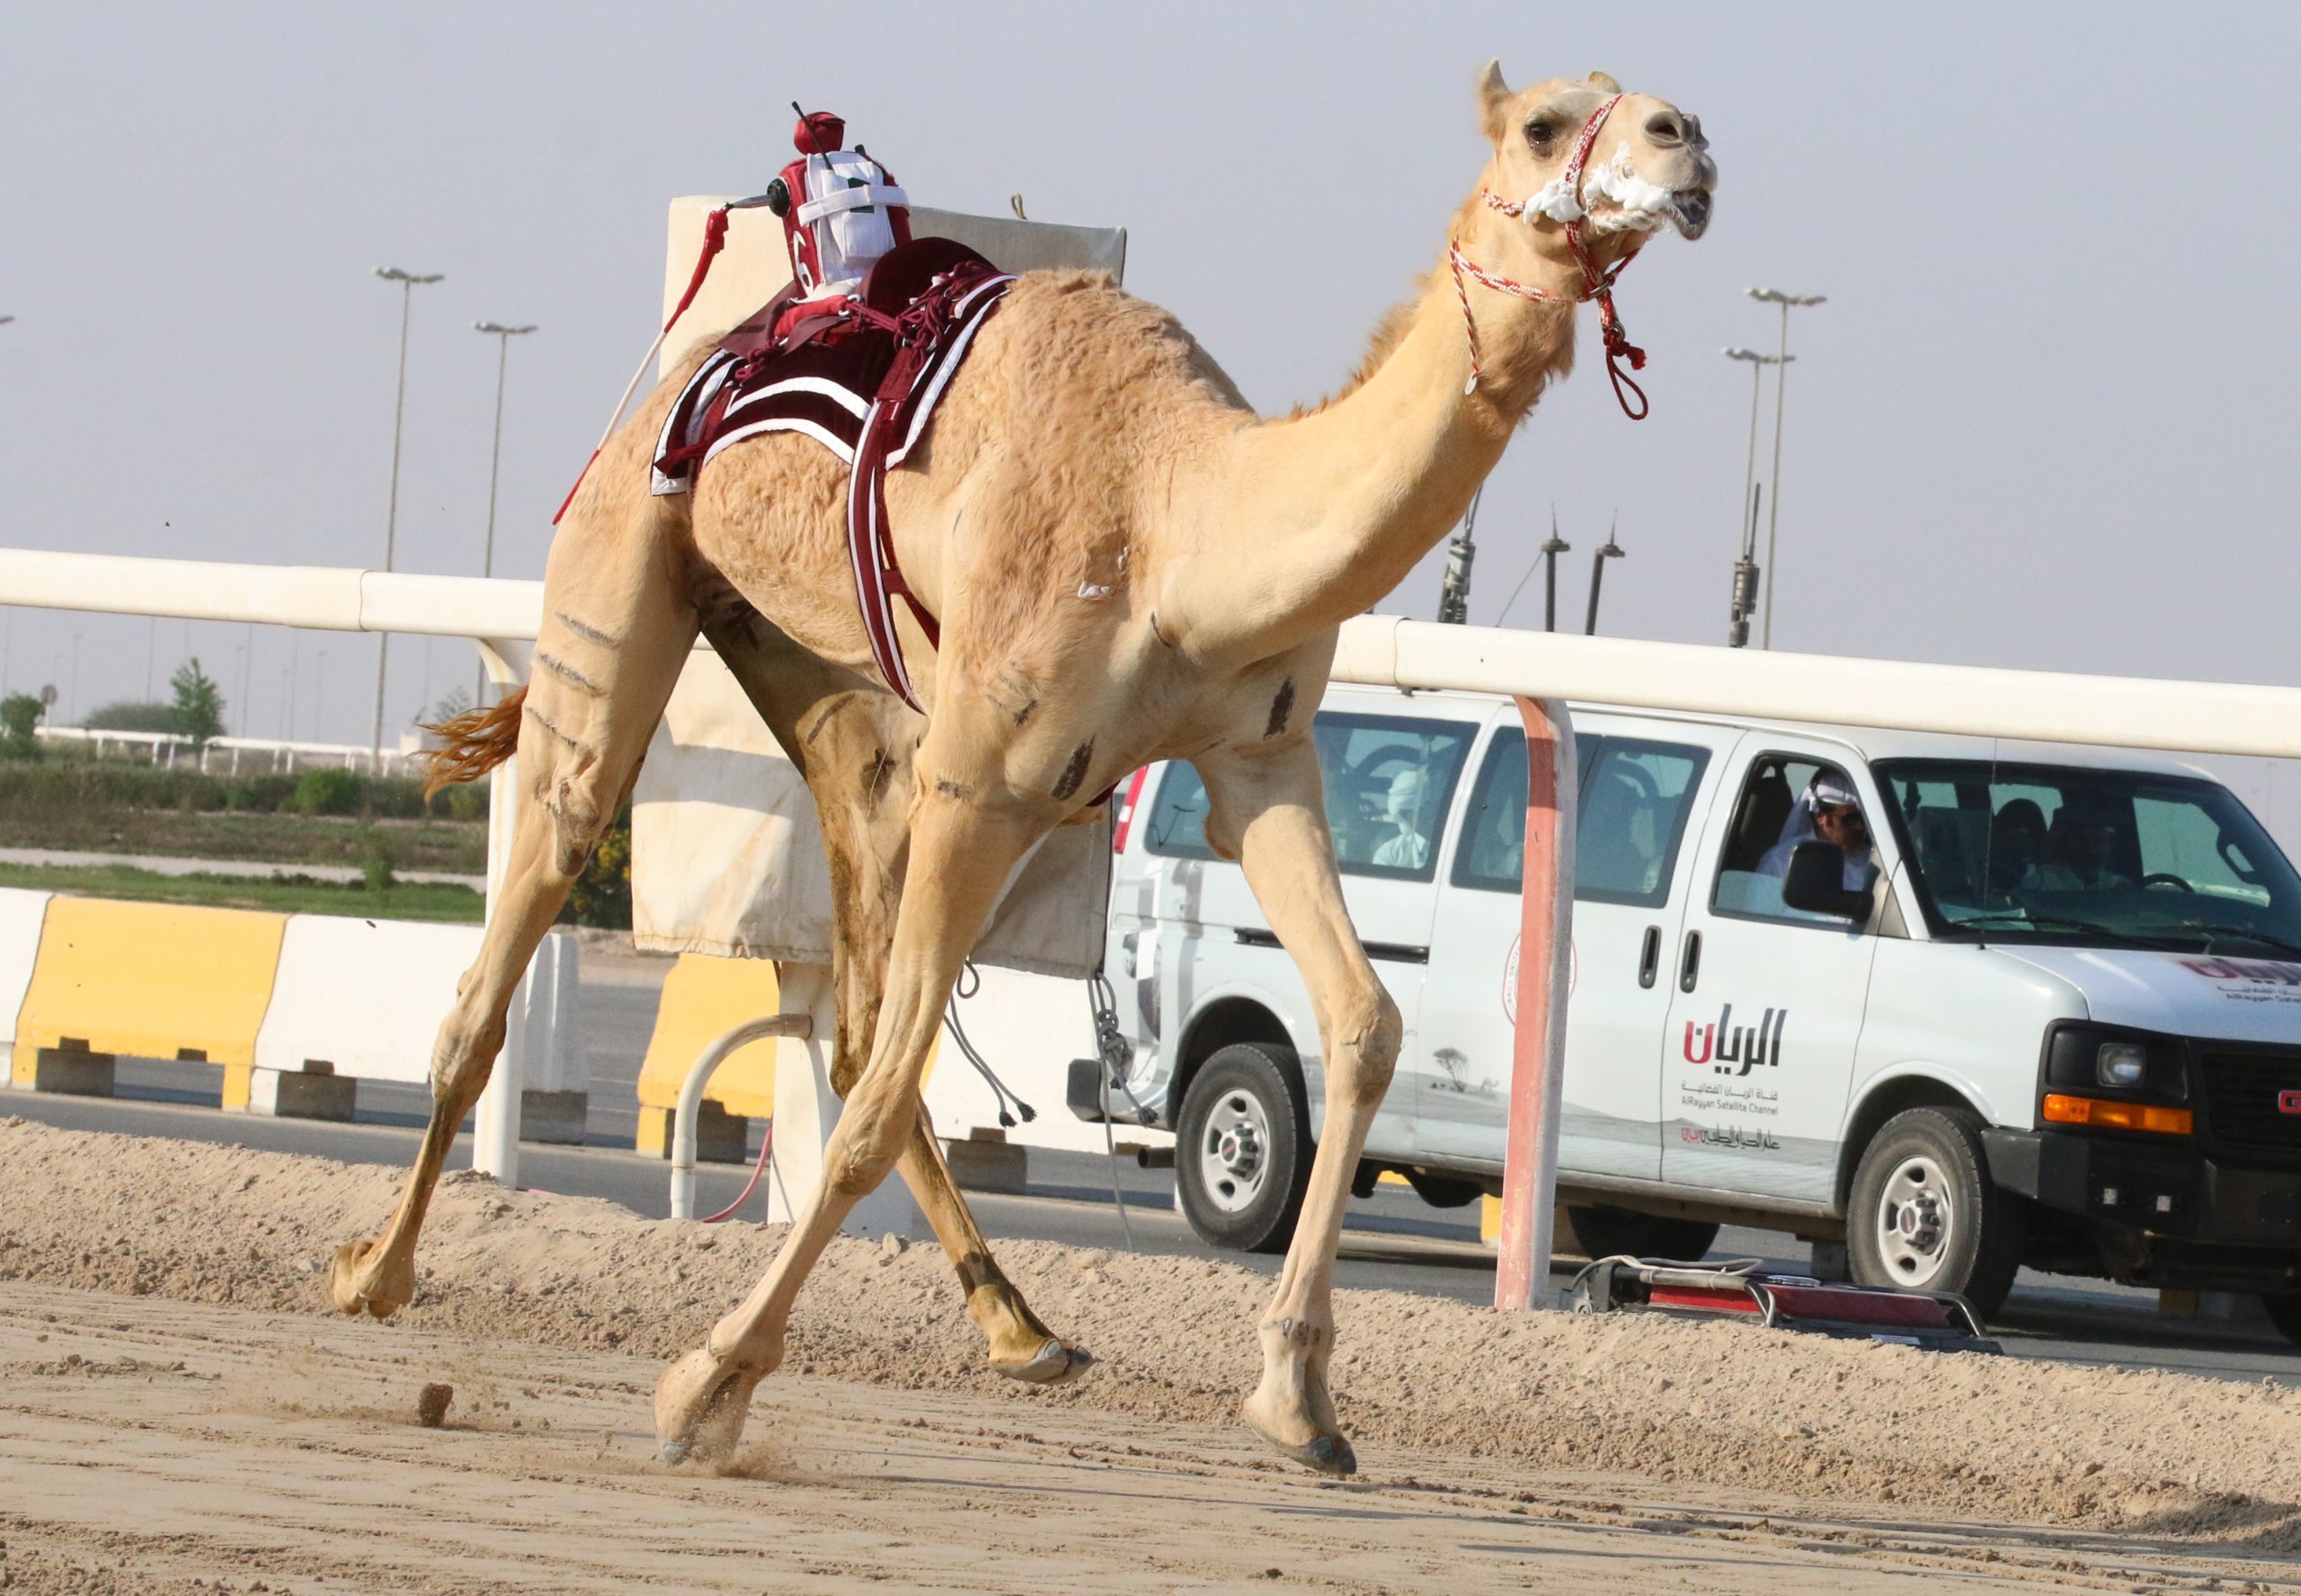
1720,1404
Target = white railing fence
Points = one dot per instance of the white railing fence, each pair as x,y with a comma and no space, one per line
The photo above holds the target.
228,756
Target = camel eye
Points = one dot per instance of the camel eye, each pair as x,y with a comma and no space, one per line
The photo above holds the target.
1540,132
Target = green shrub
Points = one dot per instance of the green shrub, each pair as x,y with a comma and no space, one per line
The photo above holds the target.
129,715
376,861
334,791
601,895
466,800
20,713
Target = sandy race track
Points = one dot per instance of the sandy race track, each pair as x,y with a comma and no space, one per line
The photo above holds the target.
181,1412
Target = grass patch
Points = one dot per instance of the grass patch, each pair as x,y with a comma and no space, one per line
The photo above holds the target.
456,847
278,893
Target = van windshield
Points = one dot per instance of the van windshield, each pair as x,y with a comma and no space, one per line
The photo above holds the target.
2090,858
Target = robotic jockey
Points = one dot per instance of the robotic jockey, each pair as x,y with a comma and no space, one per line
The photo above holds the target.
841,209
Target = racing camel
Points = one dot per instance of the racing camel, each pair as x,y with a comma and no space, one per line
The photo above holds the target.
1127,564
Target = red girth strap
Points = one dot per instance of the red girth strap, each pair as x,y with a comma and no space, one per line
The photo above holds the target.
963,296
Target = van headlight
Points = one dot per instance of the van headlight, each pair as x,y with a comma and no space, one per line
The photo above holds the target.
2122,1064
2082,1057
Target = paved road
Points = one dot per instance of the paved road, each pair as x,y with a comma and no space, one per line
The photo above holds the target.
1392,1242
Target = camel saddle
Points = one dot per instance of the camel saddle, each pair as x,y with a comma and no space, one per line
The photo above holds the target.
861,376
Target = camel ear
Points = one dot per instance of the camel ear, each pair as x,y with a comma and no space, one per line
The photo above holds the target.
1605,81
1493,100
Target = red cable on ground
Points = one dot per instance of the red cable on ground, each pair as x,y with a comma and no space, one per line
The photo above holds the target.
766,1146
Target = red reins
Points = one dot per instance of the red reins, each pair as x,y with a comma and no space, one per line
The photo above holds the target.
1596,285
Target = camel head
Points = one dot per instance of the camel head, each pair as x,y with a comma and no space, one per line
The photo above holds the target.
1649,166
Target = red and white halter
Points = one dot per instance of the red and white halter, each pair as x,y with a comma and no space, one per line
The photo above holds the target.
1597,285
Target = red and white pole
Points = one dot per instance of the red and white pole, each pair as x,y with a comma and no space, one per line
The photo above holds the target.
1538,1058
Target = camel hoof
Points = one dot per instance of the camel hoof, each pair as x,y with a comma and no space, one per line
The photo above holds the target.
1329,1454
344,1289
700,1406
1050,1365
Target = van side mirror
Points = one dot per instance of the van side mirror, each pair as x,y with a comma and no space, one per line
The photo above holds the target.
1815,884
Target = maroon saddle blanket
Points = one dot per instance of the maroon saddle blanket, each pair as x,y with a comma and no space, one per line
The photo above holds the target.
862,377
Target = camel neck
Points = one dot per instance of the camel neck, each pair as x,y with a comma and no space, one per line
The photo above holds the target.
1313,518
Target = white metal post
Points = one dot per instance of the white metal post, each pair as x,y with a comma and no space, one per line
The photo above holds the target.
496,1124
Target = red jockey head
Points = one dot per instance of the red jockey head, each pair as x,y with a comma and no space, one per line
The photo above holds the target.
843,209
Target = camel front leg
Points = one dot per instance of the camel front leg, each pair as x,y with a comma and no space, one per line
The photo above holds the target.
1265,805
961,852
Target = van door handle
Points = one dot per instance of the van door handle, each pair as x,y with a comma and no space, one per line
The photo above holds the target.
1649,956
1690,970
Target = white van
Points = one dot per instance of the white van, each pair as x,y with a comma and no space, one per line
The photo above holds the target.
2049,1014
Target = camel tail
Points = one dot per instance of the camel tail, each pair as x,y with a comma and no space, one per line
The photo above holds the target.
473,743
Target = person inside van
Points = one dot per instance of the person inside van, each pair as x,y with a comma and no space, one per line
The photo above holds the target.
1829,811
2017,841
2077,853
1409,848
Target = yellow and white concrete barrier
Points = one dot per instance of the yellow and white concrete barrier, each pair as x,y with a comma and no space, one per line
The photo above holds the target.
704,998
355,1000
21,914
152,980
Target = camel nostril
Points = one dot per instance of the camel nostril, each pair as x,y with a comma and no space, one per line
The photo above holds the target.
1664,130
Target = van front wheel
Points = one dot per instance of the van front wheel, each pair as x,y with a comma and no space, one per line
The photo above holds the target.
1924,1216
1242,1148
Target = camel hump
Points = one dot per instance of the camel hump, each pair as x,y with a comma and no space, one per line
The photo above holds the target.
473,743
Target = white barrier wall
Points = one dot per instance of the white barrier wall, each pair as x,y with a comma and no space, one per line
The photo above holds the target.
554,1060
363,995
1027,1028
20,914
366,998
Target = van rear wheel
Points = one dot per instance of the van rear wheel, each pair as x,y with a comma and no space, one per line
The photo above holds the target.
1242,1148
1925,1215
1621,1233
2284,1311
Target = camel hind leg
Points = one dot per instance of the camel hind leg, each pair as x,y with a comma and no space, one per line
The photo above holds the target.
961,848
617,630
852,742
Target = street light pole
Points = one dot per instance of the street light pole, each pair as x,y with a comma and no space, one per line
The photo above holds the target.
1454,587
1608,550
503,335
1744,594
1781,388
1553,546
407,281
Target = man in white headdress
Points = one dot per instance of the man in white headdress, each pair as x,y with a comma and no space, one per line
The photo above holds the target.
1829,811
1409,849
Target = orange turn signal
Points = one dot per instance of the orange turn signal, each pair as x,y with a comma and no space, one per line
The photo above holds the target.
2117,1116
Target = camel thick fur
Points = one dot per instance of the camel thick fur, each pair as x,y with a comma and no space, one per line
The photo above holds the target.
1128,564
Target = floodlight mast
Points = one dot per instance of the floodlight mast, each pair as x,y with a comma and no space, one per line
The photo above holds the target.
1742,600
1780,384
1608,550
408,282
503,335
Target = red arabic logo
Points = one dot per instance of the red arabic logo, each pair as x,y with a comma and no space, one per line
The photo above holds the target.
2288,1102
1725,1044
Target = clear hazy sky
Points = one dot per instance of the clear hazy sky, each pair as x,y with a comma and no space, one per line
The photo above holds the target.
2047,418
